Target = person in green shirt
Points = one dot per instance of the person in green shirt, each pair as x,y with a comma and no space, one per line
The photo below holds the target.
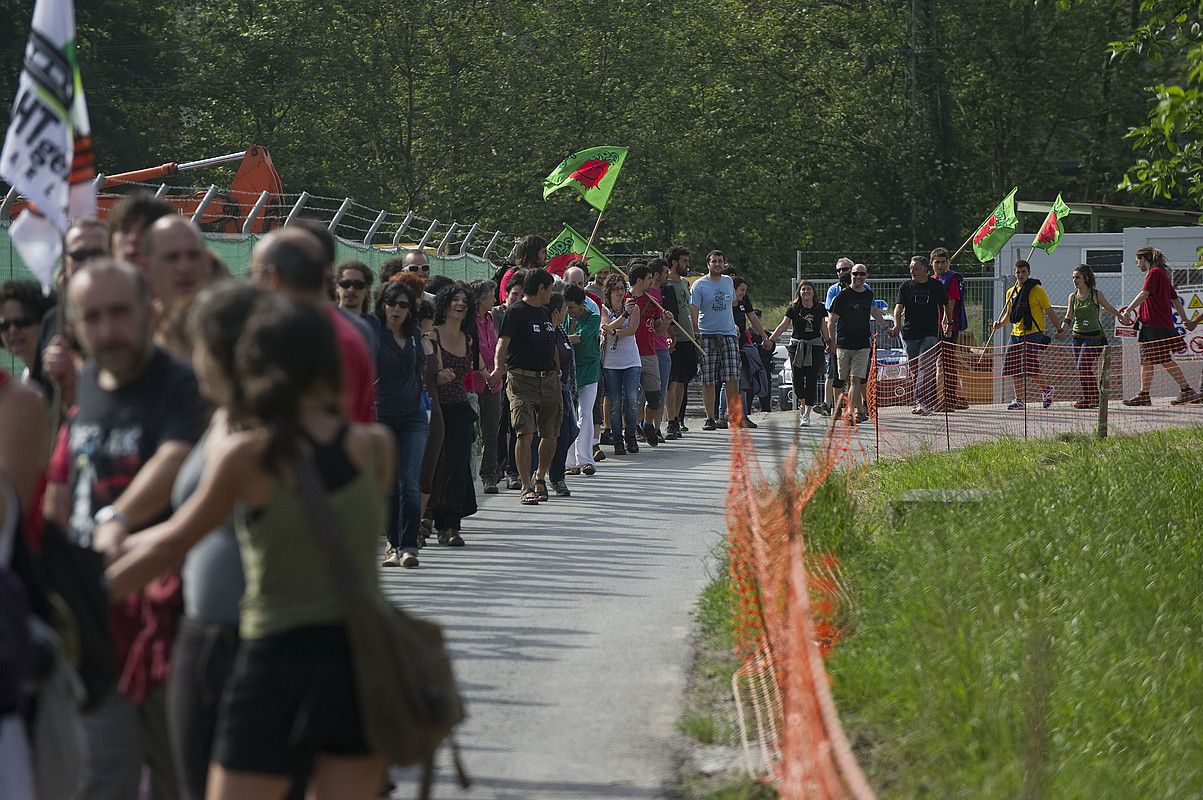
1082,314
583,326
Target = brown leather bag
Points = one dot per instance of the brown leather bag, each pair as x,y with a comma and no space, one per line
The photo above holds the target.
408,699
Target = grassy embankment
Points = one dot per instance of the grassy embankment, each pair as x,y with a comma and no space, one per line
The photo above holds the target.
1042,639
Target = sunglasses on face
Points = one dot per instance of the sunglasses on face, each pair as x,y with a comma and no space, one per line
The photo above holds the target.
419,268
842,271
19,322
84,255
397,303
347,283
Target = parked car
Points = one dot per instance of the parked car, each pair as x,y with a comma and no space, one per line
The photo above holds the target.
893,375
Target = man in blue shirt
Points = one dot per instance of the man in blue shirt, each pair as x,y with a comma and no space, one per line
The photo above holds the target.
710,303
843,274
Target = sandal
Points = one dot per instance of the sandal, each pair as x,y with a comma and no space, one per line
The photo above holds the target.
541,490
530,498
573,471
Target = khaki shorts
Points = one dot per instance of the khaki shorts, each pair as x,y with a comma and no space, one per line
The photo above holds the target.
854,365
649,373
536,403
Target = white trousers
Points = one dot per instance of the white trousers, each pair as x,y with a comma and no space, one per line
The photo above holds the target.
582,453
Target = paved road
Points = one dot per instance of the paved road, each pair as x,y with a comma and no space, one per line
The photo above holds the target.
570,624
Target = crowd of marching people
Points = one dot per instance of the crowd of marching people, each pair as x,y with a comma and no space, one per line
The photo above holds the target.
157,565
158,558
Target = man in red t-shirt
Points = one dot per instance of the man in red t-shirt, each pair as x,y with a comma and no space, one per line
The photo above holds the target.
1159,338
652,323
290,261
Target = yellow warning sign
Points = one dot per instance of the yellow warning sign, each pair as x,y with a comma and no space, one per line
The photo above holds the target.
1195,302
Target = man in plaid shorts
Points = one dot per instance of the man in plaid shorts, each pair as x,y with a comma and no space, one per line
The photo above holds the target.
710,302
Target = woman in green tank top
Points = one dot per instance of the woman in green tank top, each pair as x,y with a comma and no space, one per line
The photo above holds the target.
290,708
1082,313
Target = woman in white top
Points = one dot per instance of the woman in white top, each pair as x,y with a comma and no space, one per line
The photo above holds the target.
622,366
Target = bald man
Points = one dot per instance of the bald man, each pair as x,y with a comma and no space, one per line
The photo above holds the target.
177,267
575,276
291,262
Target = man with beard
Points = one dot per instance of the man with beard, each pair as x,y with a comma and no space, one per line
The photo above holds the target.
137,414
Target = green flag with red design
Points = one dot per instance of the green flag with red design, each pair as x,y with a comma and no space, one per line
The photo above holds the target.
570,246
1050,233
591,172
993,234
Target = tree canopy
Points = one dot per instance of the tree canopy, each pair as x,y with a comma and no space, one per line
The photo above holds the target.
758,126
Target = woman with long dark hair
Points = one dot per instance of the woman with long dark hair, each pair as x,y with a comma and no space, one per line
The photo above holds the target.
807,344
455,338
401,405
289,708
1082,315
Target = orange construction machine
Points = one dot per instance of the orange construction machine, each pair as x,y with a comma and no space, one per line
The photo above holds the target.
250,205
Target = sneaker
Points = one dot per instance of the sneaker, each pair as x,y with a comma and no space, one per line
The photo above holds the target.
806,420
861,416
632,445
823,410
1016,404
709,424
561,488
1188,396
619,448
589,470
1085,404
1142,399
392,558
659,436
649,435
491,487
722,424
598,455
682,429
606,436
409,559
749,423
513,482
921,411
1046,398
672,431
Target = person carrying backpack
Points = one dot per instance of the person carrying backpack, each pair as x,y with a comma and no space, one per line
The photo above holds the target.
1026,308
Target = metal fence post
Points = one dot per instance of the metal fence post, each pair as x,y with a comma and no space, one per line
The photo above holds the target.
338,215
442,248
401,229
492,244
463,248
296,209
367,237
204,203
250,218
426,236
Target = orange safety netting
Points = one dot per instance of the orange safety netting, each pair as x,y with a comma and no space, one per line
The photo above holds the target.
1030,389
789,604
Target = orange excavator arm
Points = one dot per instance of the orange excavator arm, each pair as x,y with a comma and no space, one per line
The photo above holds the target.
256,174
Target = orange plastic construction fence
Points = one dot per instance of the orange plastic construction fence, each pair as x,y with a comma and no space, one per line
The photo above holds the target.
789,605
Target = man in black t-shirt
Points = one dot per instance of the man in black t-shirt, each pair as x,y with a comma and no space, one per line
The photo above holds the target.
137,414
917,315
526,352
848,319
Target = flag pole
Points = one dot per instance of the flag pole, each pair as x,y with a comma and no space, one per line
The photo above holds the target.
1031,253
961,248
627,278
593,235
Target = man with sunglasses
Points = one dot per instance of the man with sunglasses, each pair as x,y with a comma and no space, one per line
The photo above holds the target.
843,279
87,239
352,292
848,319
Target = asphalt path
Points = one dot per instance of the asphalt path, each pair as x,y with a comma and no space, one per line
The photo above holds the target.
570,622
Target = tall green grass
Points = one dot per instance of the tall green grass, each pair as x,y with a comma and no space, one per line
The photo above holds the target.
1044,641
